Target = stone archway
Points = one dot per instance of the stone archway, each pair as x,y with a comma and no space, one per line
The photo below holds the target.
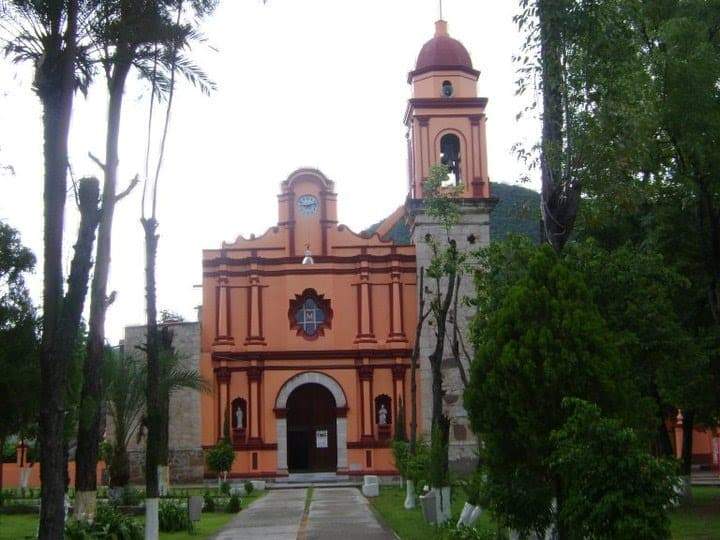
336,390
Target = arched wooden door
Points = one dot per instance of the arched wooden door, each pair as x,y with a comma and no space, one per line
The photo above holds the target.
311,430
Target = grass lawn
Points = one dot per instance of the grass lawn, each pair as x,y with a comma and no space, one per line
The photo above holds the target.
21,527
17,527
409,524
698,521
701,519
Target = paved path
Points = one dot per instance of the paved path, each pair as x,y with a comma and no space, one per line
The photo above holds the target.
334,513
275,516
342,513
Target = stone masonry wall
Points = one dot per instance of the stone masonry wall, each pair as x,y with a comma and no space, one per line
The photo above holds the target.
474,226
186,456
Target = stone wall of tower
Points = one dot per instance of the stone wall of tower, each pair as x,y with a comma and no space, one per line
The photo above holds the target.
186,455
472,232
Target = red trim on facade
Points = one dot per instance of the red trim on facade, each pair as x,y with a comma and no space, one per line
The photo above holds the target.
368,458
320,259
228,319
326,354
217,312
443,67
302,271
366,443
280,412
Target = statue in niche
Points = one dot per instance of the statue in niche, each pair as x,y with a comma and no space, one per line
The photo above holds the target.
239,417
382,415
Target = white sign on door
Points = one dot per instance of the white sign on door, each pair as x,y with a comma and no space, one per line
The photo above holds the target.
321,438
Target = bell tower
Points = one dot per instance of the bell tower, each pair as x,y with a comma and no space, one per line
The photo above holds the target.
445,118
445,122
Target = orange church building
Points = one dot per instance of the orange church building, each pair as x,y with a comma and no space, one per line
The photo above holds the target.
307,330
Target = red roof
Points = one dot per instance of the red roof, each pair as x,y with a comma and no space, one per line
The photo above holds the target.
443,53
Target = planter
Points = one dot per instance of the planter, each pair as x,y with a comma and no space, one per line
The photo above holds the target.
436,506
409,495
469,515
258,485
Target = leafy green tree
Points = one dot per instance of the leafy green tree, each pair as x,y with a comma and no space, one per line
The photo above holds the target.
641,78
19,339
634,290
613,487
538,338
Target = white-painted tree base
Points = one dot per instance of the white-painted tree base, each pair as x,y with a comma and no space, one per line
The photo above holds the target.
163,480
409,495
85,505
152,523
24,477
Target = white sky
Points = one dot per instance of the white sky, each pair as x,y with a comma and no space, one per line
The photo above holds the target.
318,83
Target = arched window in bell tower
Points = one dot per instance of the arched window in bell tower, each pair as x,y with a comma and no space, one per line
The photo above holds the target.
450,156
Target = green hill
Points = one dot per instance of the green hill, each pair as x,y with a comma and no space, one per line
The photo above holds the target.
518,212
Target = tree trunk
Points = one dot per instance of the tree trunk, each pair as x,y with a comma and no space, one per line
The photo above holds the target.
439,420
560,196
153,373
89,433
56,85
687,449
414,362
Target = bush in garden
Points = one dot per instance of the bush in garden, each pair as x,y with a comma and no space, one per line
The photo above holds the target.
109,523
452,532
233,505
613,487
208,502
225,488
220,458
401,454
130,497
248,485
173,518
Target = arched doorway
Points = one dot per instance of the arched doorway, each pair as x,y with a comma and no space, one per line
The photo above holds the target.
311,429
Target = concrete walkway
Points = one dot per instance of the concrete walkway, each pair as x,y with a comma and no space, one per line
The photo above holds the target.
342,513
334,513
276,516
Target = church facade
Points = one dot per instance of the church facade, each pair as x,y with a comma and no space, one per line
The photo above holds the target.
308,329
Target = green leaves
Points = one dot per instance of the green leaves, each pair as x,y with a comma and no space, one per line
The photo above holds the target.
612,487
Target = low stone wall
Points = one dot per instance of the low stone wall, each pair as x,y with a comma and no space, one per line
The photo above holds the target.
187,466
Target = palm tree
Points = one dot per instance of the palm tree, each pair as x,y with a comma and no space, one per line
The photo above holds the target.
48,33
125,399
126,387
174,376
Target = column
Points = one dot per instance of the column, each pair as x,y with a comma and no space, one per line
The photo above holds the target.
397,333
223,401
364,301
365,374
398,373
223,327
254,374
255,328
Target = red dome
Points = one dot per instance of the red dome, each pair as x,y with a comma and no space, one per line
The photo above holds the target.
443,53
